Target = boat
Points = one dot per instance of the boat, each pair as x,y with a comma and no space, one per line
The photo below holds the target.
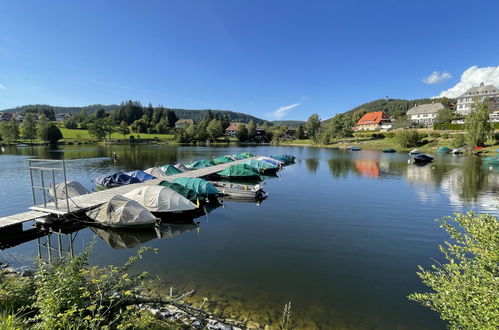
73,189
457,151
140,175
272,161
389,150
200,186
22,145
181,167
443,150
222,160
122,212
285,158
414,152
156,172
169,169
161,201
183,190
422,159
235,190
492,160
240,172
263,167
353,148
114,180
203,163
238,156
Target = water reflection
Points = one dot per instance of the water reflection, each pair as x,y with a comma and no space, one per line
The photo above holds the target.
312,164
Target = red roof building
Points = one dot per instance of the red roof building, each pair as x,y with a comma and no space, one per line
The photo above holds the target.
232,129
373,121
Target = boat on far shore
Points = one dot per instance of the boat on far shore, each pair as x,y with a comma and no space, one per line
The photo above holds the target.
353,148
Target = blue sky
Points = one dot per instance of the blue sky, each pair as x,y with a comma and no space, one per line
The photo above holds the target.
272,59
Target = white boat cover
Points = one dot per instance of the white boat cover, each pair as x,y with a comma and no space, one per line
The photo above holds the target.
74,189
182,167
272,160
160,199
121,212
157,172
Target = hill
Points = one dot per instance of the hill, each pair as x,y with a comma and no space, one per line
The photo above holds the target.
393,106
195,115
288,123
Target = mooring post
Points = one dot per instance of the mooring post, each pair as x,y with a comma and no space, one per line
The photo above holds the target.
65,184
32,184
55,190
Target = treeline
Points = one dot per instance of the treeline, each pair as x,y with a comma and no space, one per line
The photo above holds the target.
38,108
31,129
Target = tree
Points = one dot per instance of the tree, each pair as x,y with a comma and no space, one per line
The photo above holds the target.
54,134
358,114
464,290
99,129
214,129
10,130
162,126
251,130
71,123
340,126
172,117
477,124
225,122
313,124
123,128
408,138
242,133
402,121
29,127
444,116
41,128
299,133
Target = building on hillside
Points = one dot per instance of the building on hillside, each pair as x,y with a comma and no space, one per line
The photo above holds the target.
5,116
424,114
494,117
232,129
373,121
260,131
183,123
62,116
18,116
481,93
289,133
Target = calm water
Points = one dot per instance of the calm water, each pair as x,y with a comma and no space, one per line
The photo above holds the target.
340,236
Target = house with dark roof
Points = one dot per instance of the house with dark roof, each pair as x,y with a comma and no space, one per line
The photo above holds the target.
5,116
480,93
424,114
373,121
183,123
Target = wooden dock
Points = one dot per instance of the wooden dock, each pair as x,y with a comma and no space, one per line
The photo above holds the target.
94,199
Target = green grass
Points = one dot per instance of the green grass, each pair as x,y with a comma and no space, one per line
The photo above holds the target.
82,134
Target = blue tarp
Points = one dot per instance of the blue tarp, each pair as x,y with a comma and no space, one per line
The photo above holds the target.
140,175
115,179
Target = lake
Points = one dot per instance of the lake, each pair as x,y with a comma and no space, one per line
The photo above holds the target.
340,236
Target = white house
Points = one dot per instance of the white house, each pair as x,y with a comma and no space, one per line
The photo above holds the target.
480,93
424,113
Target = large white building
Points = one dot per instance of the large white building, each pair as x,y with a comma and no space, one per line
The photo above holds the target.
481,93
424,114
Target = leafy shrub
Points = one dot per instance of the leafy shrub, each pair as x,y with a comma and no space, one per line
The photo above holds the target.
390,135
465,288
408,138
11,322
444,135
458,141
15,292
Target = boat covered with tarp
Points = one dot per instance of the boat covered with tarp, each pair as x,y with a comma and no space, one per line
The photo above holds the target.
114,180
203,163
182,167
222,160
200,186
240,172
389,150
140,175
157,172
271,161
492,160
169,169
182,190
238,156
443,150
263,167
121,211
422,159
240,191
246,154
73,189
287,159
160,199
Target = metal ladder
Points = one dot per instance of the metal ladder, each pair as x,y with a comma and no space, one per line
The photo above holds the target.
37,168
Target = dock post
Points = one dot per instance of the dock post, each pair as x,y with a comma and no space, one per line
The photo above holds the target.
32,184
43,190
65,184
55,190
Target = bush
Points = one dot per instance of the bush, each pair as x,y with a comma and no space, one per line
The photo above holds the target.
458,141
131,138
408,138
390,135
464,290
434,135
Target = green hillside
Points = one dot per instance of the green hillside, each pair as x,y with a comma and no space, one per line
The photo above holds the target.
288,123
392,106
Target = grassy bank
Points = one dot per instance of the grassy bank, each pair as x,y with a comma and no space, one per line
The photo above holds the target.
83,134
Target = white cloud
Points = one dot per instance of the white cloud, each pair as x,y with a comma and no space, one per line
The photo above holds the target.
282,111
473,76
437,77
2,86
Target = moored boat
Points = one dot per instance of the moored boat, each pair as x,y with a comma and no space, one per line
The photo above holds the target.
240,172
353,148
222,160
389,150
73,189
203,163
287,159
169,169
140,175
457,151
414,152
272,161
263,167
200,186
114,180
422,159
443,150
235,190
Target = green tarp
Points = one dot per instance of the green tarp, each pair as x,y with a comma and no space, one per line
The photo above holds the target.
238,156
443,150
239,170
222,160
200,186
200,164
170,169
287,159
247,154
261,165
182,190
